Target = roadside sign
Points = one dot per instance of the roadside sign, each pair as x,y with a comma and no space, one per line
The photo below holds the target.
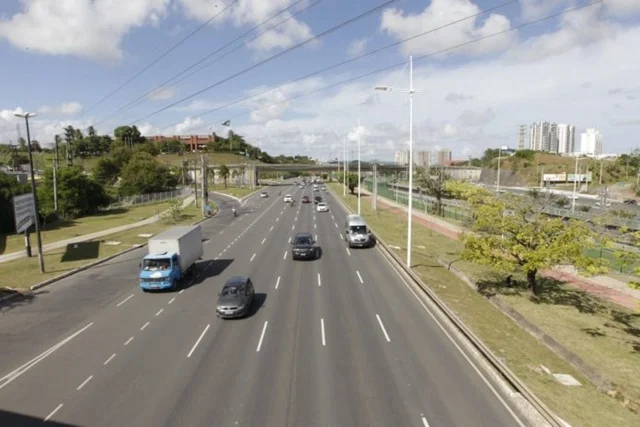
24,209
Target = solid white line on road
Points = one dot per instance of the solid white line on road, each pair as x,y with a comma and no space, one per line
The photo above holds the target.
383,329
198,341
254,255
181,291
144,326
285,255
109,359
359,276
348,251
84,382
425,423
124,300
278,282
4,381
159,312
172,300
271,229
319,280
128,341
264,329
263,240
53,412
324,343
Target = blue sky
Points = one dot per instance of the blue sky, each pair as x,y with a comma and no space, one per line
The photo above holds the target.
62,57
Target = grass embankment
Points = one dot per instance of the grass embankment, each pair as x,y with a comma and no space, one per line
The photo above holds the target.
233,190
24,272
558,316
63,230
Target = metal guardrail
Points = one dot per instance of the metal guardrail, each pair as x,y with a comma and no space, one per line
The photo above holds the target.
477,344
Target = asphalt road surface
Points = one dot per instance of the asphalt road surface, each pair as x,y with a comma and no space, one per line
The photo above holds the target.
339,341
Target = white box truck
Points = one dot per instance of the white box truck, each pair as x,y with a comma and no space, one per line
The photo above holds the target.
172,255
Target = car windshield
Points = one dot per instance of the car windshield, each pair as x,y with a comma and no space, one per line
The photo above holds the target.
303,240
232,290
358,229
156,264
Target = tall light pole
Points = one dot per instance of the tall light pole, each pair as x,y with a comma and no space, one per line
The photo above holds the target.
575,186
499,161
26,117
410,91
359,178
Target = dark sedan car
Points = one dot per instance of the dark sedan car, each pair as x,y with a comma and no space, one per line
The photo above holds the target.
303,246
305,199
236,298
317,200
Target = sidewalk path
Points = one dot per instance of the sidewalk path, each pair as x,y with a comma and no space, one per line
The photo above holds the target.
62,243
603,287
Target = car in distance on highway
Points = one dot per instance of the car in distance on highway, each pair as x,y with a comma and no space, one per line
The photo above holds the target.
236,298
317,200
305,199
322,207
303,247
288,198
264,195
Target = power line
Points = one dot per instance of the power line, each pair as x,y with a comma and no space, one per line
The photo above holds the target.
277,55
163,55
339,64
419,58
141,98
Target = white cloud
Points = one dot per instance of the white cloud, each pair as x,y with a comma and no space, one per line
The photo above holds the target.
67,108
85,28
357,46
162,94
440,12
251,13
536,9
623,8
198,105
41,128
187,125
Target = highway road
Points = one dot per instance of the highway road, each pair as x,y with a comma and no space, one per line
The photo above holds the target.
339,341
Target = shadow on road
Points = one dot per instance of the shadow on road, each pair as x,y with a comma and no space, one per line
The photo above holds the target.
14,419
259,300
23,299
3,243
207,269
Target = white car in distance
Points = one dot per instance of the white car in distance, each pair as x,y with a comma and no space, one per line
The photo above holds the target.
322,207
288,198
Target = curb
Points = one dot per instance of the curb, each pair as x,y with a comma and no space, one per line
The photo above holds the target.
90,265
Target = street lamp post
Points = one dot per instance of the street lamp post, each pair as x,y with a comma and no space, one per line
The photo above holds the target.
575,185
409,91
499,161
26,117
359,178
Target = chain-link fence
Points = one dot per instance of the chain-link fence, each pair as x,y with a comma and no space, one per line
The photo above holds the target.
145,199
620,264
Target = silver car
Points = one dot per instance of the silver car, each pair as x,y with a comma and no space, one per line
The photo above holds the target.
236,298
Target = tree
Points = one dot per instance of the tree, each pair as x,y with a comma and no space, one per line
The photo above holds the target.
628,256
22,145
9,187
352,182
129,134
513,234
106,171
144,174
460,190
35,146
147,147
223,172
434,183
78,194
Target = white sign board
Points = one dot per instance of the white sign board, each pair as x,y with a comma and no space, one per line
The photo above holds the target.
24,209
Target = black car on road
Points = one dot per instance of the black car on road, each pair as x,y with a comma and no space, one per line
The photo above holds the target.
236,298
317,200
303,246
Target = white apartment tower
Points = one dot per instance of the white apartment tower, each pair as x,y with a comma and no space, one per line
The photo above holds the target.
591,142
566,139
402,158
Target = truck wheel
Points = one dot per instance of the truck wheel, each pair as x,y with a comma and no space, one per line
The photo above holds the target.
174,285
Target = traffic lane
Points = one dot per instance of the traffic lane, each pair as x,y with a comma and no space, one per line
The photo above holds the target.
62,307
136,371
426,354
237,357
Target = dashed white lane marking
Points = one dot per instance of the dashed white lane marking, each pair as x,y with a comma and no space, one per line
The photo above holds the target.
263,240
285,255
109,359
254,255
124,300
296,218
198,341
144,326
172,300
315,225
383,329
340,234
278,282
271,229
128,341
159,312
425,423
359,276
84,383
316,237
277,219
53,412
336,224
348,251
319,280
324,342
181,291
264,329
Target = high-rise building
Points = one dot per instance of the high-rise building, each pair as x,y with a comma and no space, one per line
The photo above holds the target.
443,157
539,139
423,159
553,138
522,131
566,139
402,158
591,142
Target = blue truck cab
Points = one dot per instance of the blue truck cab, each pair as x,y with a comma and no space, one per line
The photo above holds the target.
160,271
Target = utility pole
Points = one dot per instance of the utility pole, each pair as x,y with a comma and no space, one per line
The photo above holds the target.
204,185
359,178
55,184
375,187
33,191
601,165
195,180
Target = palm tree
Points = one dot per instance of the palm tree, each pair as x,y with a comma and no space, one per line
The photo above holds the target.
224,173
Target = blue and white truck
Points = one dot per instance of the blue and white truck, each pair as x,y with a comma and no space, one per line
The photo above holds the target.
172,255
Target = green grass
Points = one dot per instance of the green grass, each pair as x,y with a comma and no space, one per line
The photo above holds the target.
579,406
90,224
23,273
233,190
